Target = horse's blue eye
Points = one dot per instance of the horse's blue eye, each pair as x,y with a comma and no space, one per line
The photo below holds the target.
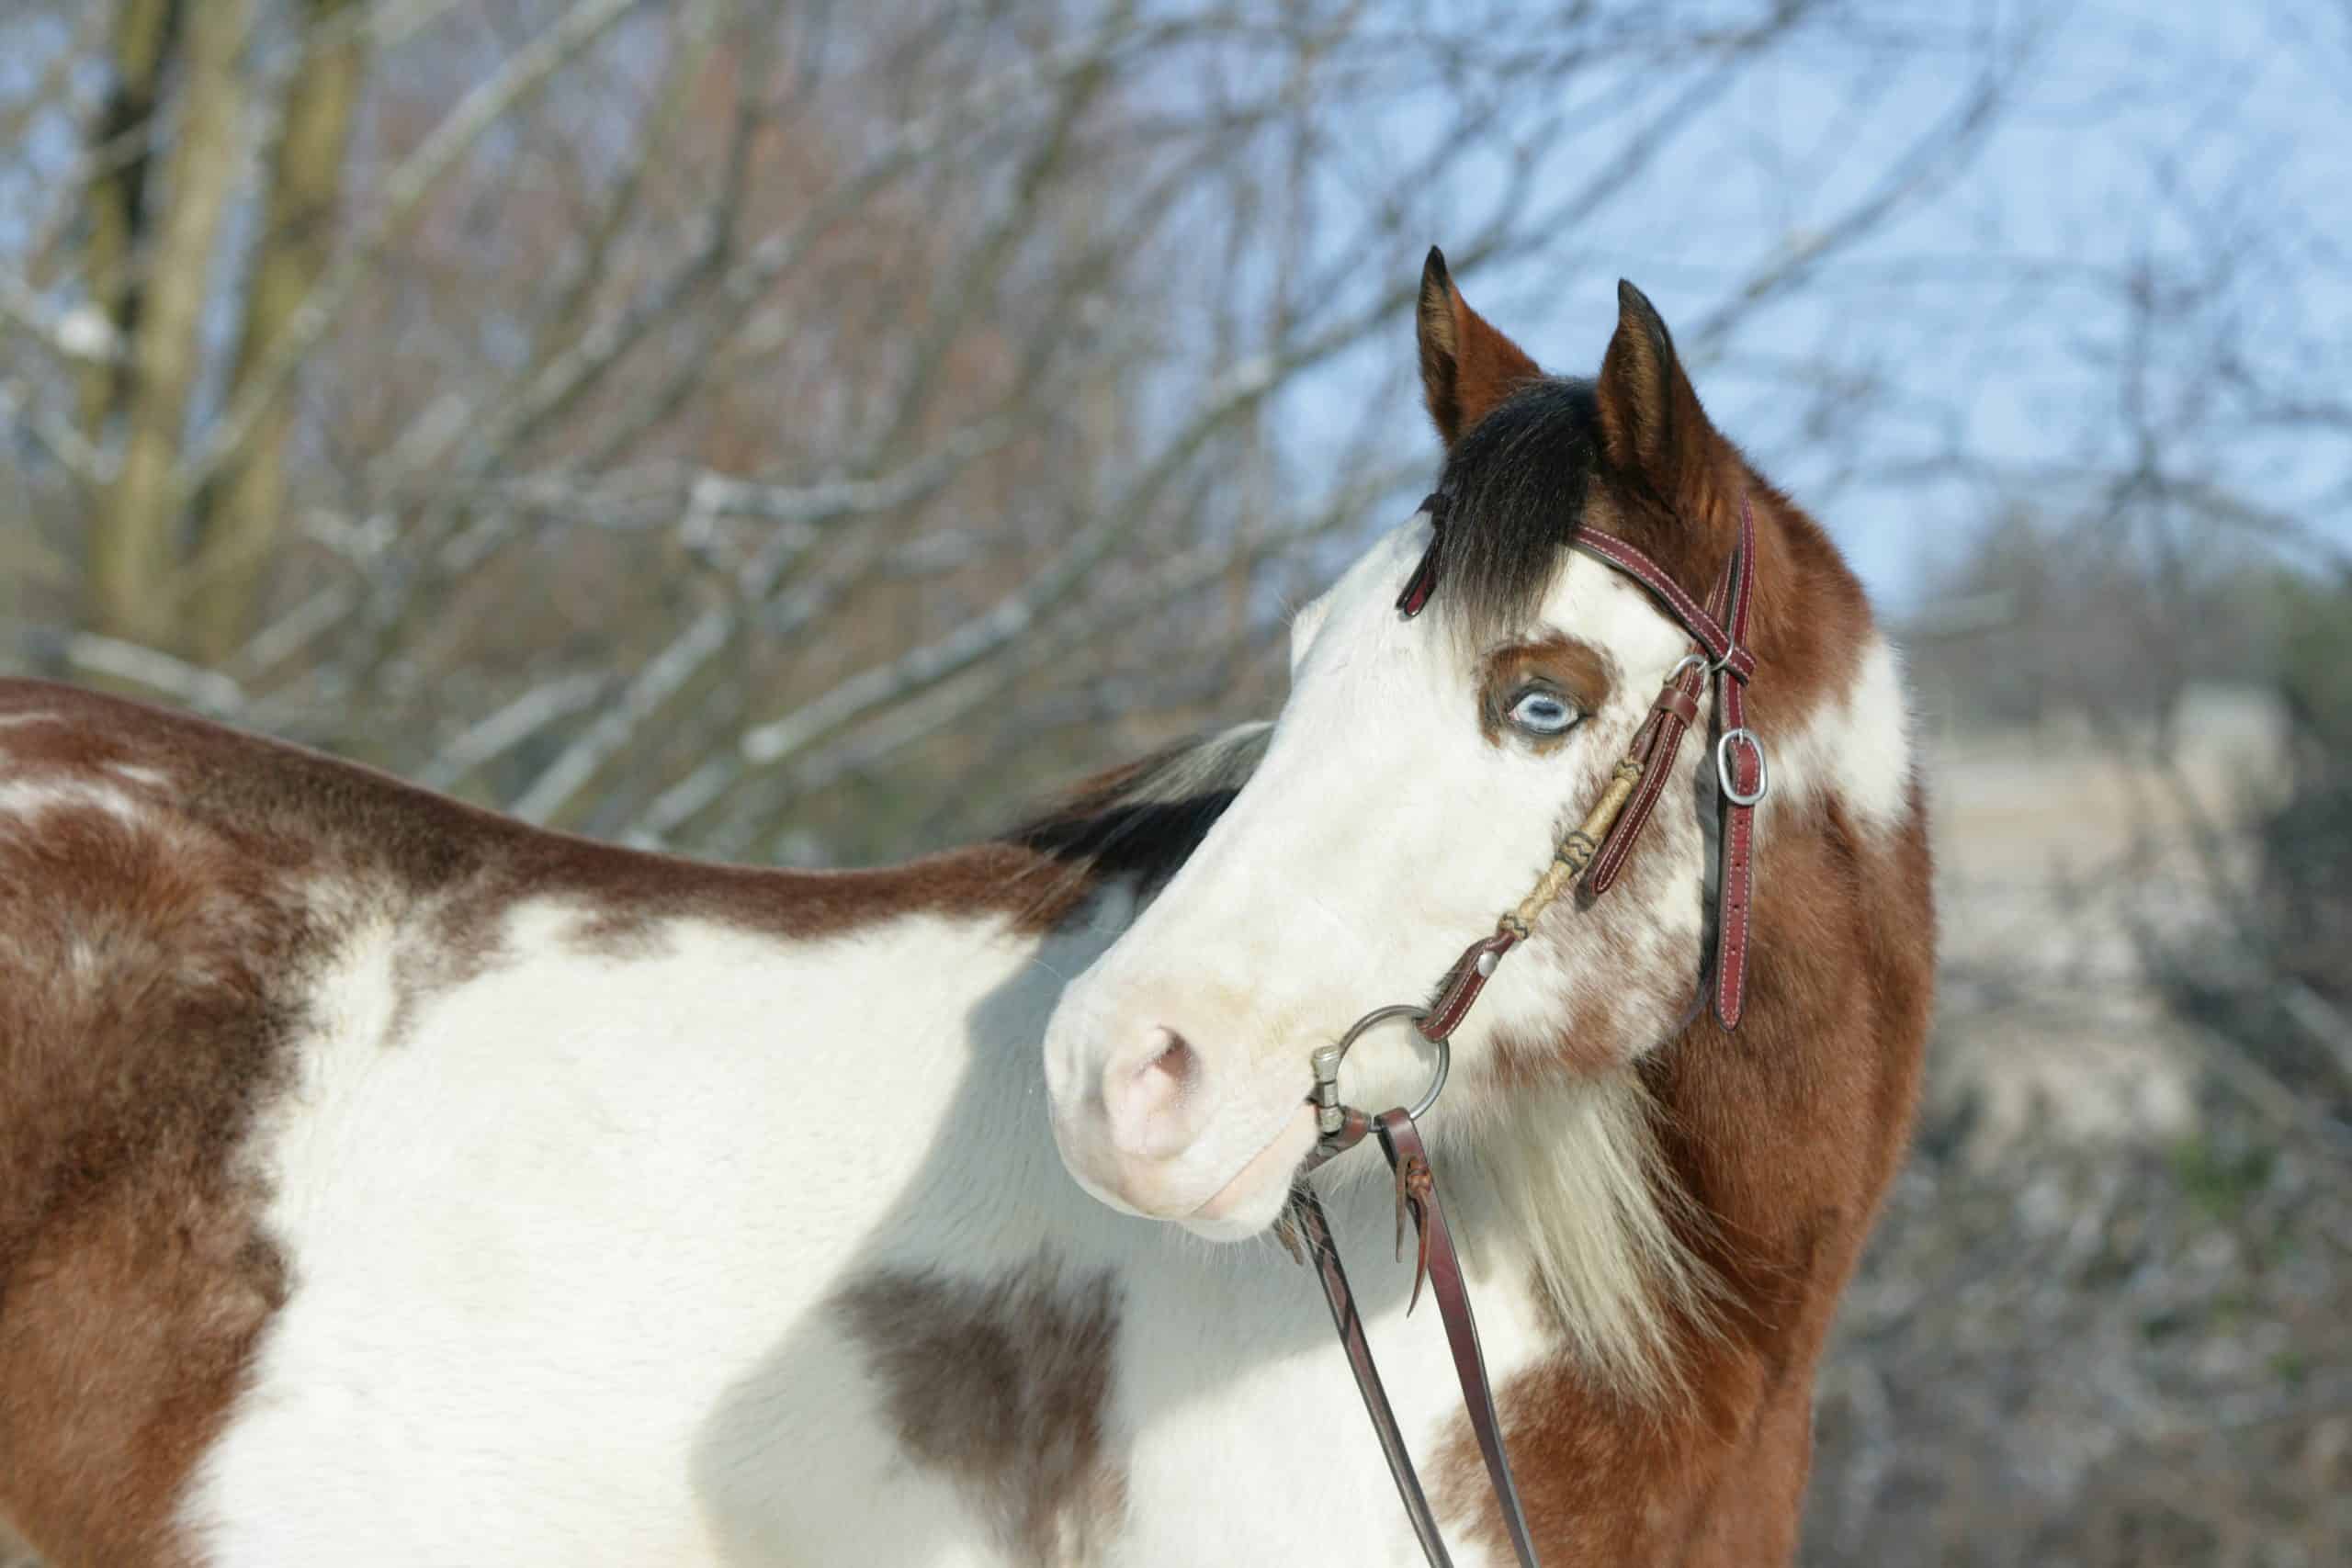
1540,712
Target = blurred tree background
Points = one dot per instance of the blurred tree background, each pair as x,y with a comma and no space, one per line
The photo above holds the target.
803,432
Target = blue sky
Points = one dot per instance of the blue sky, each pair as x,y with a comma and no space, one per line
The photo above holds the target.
1984,322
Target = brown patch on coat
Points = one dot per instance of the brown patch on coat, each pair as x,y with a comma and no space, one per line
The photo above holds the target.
1568,666
304,811
1672,486
148,985
1781,1141
1468,366
154,963
1809,622
1003,1386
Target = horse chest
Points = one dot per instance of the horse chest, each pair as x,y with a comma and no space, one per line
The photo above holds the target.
1248,1442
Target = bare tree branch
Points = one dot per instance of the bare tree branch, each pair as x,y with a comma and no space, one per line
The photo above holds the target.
403,196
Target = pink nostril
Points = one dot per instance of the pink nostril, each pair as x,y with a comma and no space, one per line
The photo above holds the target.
1152,1096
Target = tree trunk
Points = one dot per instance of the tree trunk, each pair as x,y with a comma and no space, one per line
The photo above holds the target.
134,553
237,517
145,31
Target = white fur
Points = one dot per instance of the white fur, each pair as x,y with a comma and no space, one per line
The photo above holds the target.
1580,1176
1857,747
27,800
1382,832
561,1252
131,773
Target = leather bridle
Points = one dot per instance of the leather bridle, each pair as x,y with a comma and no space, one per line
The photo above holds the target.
1595,851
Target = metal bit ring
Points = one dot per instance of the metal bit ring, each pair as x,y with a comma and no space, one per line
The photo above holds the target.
1327,1058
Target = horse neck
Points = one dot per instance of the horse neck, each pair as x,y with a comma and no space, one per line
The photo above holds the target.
991,1199
982,1185
1777,1141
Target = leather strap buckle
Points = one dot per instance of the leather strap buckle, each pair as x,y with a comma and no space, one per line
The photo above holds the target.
1727,775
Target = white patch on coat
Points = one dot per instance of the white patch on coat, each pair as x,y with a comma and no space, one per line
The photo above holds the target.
1855,747
560,1260
537,1239
28,799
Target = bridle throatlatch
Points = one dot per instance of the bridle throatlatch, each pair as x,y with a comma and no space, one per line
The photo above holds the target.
1596,852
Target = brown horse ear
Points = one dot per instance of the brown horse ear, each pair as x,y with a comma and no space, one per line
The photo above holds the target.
1651,423
1466,367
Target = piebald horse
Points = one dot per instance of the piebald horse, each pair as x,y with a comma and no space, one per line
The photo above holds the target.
385,1181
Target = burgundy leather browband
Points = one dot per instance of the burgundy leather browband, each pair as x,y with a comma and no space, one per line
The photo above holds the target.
1595,851
1720,628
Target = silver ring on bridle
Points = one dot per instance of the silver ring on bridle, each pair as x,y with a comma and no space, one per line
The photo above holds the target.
1329,1114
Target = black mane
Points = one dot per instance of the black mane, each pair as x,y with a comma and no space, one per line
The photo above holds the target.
1139,823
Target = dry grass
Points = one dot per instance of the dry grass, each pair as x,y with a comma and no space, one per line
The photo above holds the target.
2104,1320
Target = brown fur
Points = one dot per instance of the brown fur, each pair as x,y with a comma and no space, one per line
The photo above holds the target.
140,1025
1466,367
151,977
1654,471
1673,489
1003,1386
1780,1139
151,986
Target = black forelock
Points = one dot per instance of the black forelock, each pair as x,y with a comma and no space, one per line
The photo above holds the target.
1515,483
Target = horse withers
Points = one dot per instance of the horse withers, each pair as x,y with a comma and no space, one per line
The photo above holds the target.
382,1180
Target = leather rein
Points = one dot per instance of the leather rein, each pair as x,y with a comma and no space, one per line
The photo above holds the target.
1594,852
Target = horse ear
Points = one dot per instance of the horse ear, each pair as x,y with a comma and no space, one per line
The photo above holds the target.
1651,423
1467,366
